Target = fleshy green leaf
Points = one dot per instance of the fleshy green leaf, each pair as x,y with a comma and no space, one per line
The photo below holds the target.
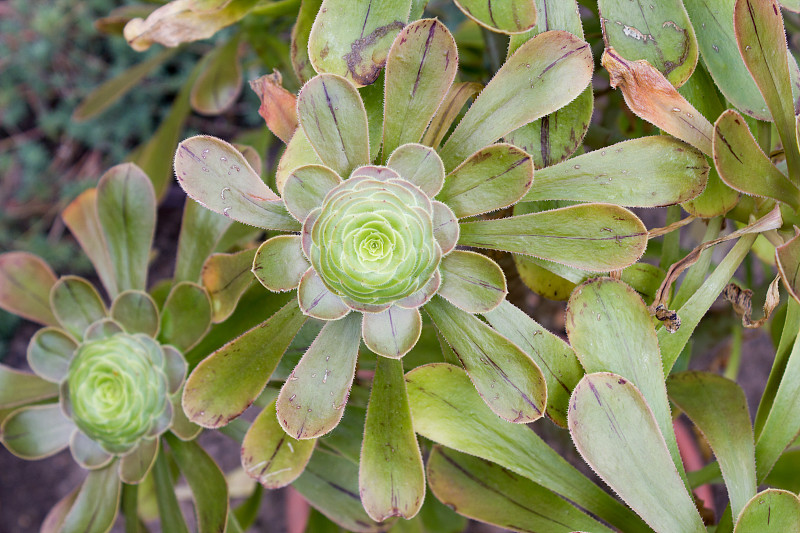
512,16
743,166
611,330
18,388
206,481
555,358
594,237
718,408
36,432
186,316
448,110
770,511
88,453
300,33
761,38
330,484
446,409
25,284
280,264
226,277
298,152
49,354
317,301
511,99
54,520
645,172
217,175
269,455
220,82
351,38
312,400
492,178
391,475
334,120
420,69
445,227
306,187
137,312
508,380
126,209
82,219
76,304
419,165
96,505
169,511
393,332
228,380
472,281
102,329
658,32
134,466
607,412
201,231
487,492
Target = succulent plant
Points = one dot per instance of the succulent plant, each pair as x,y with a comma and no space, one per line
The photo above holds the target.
107,380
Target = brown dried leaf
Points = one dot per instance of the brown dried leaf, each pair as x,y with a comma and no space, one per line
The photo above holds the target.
278,106
652,97
742,302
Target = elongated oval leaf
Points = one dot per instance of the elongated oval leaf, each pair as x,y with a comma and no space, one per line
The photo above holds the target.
96,505
448,110
76,304
445,408
220,83
301,62
393,332
646,172
512,16
313,398
186,316
508,380
269,455
744,167
37,431
527,87
201,230
420,69
608,413
555,358
18,388
718,408
351,38
594,237
137,312
216,175
487,492
228,380
659,32
50,352
25,284
492,178
472,281
126,209
610,330
226,277
770,511
391,477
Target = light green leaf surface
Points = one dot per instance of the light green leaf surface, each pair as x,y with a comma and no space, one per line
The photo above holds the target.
472,281
420,69
492,178
137,312
334,120
269,455
280,264
555,358
446,409
646,172
18,388
616,433
527,87
226,277
595,237
25,284
391,475
770,511
76,304
312,400
300,33
169,511
186,316
512,16
95,507
201,231
718,408
88,453
449,109
611,330
36,432
393,332
306,187
487,492
220,82
419,165
228,380
508,380
298,152
215,174
743,166
351,38
50,352
126,208
134,466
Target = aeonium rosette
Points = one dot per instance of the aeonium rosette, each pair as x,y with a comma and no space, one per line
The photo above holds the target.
374,208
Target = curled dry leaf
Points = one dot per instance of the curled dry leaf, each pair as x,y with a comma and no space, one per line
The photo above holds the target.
278,106
742,302
652,97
